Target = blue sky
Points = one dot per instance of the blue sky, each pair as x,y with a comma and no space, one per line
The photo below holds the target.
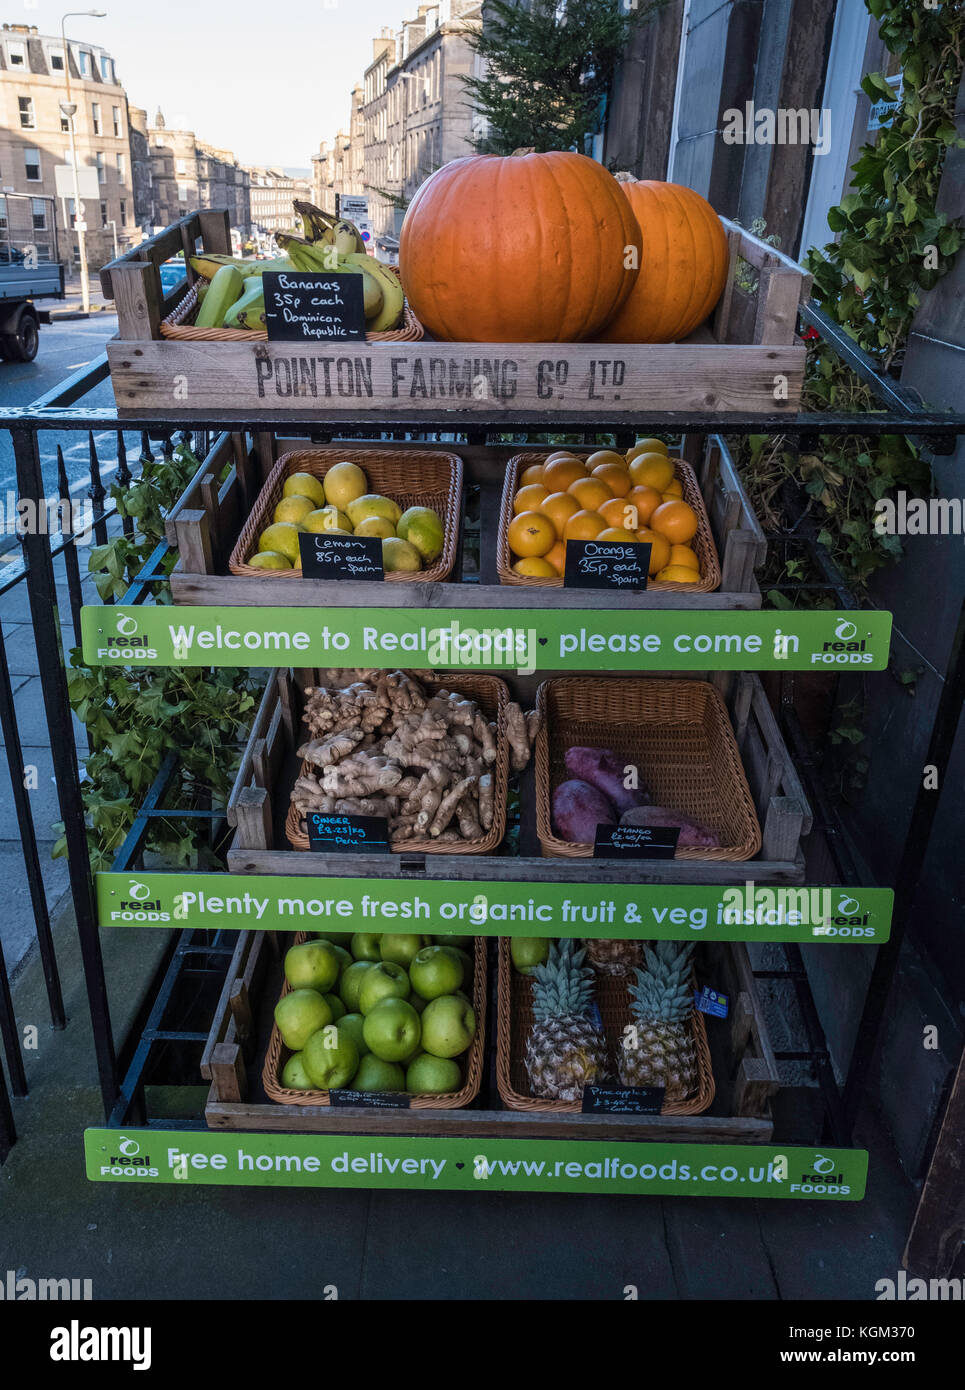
268,79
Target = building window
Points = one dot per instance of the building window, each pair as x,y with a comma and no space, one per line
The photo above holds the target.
27,119
38,209
103,214
31,159
95,116
99,157
56,56
64,124
118,128
121,167
107,69
181,167
17,55
83,63
3,214
123,213
182,192
159,139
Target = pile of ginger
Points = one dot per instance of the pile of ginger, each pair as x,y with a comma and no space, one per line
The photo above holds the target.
384,746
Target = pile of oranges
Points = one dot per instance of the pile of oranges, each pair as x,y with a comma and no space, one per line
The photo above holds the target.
606,497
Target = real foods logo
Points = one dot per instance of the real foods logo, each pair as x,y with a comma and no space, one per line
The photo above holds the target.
845,648
128,1162
125,645
139,906
821,1178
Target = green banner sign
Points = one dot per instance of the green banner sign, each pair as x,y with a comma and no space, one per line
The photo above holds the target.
430,1163
673,912
523,640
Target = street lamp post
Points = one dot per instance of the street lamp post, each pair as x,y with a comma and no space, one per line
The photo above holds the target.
69,109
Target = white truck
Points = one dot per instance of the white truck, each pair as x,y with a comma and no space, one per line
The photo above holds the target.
30,269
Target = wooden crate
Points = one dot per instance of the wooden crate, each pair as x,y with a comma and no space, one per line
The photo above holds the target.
259,801
209,515
743,1062
746,358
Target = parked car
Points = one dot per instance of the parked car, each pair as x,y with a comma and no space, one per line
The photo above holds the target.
172,273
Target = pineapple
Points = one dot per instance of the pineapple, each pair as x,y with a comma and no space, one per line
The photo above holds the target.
566,1049
659,1051
613,957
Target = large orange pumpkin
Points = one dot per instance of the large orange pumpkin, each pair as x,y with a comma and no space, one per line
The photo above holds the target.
683,268
526,248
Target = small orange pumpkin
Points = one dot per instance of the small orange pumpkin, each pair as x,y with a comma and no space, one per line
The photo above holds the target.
683,268
525,248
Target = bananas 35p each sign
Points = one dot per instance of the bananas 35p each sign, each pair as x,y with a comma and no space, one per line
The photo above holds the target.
522,640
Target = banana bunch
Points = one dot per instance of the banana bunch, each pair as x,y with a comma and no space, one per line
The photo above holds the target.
321,229
381,290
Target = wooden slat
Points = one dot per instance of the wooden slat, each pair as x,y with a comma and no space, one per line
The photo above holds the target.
752,1087
228,1078
190,499
783,827
778,298
137,298
938,1230
215,230
253,819
720,323
259,727
248,942
791,784
193,532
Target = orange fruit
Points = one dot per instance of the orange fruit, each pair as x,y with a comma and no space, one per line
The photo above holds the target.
647,446
591,493
616,533
619,512
652,470
532,474
606,456
558,475
646,500
561,454
659,548
535,567
557,557
676,520
683,555
616,479
673,489
531,533
559,507
678,574
529,497
584,526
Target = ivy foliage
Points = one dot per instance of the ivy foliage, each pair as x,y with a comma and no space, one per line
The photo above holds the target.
134,718
549,69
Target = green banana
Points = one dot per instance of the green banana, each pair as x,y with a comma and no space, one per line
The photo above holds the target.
307,255
348,238
208,266
249,310
226,287
315,222
393,298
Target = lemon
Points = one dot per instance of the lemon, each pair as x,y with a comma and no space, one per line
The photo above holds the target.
345,483
270,560
373,505
678,574
293,509
422,527
283,538
375,526
400,555
327,519
304,485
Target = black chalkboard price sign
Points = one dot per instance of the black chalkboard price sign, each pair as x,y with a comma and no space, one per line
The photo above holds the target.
610,1099
327,556
606,565
347,834
313,307
636,841
370,1100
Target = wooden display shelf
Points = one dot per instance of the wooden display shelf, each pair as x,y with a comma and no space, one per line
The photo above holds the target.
259,802
743,1060
746,358
207,519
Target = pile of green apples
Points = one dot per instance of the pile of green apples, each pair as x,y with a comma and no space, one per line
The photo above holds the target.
377,1013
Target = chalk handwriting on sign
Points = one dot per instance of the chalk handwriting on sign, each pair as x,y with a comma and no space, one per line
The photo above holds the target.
636,841
328,556
346,834
606,564
309,306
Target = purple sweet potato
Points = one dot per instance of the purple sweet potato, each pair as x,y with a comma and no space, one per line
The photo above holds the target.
606,771
578,809
693,835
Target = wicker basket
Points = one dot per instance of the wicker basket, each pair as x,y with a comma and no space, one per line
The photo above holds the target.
677,732
492,697
411,477
514,1019
278,1054
179,324
703,542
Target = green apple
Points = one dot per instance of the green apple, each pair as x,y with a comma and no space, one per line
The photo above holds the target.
375,1075
382,981
336,1006
428,1075
344,959
448,1026
465,960
294,1075
300,1014
392,1030
351,1025
331,1058
365,946
337,938
450,938
400,947
528,952
436,970
351,983
312,965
